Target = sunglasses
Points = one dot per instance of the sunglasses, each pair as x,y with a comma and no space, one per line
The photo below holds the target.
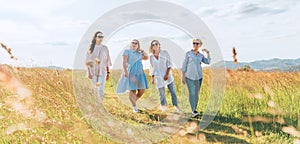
135,43
195,43
99,36
154,44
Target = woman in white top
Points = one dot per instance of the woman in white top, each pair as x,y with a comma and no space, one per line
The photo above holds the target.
161,72
98,62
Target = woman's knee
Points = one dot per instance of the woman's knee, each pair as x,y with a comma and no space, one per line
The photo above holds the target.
140,93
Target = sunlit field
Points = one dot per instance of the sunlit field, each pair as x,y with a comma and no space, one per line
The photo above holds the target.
258,107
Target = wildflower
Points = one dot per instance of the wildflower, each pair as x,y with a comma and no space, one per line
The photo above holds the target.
98,84
8,50
97,61
271,104
234,55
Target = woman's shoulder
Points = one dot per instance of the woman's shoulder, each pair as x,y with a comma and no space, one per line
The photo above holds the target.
164,52
200,54
104,47
126,52
188,53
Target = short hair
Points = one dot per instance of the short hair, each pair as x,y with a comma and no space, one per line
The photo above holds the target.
197,39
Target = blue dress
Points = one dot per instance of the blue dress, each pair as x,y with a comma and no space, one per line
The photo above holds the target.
136,76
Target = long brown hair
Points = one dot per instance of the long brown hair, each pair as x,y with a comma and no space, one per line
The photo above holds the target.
93,42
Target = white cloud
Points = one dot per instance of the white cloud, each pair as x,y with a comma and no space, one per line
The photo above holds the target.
34,7
253,26
246,9
33,27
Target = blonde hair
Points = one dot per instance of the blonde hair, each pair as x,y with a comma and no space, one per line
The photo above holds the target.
199,40
150,47
139,47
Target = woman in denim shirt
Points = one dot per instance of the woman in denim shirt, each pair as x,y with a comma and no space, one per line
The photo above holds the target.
192,73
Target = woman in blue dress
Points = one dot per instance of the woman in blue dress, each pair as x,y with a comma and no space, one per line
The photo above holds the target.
133,77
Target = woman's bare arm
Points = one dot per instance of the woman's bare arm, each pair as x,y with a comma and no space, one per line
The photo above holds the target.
125,59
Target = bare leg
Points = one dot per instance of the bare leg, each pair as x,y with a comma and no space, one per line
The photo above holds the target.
133,97
140,93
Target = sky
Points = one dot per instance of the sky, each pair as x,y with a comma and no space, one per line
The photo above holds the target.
48,32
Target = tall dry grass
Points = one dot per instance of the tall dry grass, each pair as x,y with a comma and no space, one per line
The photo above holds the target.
270,100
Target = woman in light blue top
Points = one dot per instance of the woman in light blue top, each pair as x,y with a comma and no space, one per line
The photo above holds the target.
133,77
161,73
192,73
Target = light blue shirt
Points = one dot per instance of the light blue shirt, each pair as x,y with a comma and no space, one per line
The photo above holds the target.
134,57
192,65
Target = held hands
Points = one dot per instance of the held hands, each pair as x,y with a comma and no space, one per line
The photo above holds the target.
144,55
142,52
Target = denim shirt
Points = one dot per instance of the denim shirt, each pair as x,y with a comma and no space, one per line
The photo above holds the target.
192,65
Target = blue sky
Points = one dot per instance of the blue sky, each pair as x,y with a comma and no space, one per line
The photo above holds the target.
48,32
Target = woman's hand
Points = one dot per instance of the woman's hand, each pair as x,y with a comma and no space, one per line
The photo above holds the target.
125,59
107,76
153,80
90,76
205,50
89,73
89,63
166,77
144,55
126,74
183,79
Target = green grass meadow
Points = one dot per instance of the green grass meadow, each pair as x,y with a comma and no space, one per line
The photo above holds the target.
257,107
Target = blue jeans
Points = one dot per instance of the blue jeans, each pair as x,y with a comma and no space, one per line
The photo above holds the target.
99,91
194,89
162,95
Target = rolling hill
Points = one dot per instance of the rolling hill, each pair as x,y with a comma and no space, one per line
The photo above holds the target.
285,65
